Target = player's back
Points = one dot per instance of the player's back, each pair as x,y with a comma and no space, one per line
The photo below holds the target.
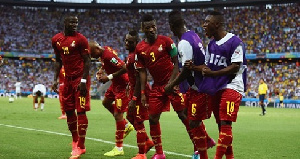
112,63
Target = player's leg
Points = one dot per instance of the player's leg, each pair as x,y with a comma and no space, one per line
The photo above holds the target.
82,105
69,107
63,113
199,109
120,106
262,105
42,102
137,118
180,104
35,102
228,109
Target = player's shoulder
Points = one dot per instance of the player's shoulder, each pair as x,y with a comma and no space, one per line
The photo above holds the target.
140,46
164,38
57,36
80,36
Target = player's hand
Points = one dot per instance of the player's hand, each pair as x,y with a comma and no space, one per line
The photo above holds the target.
169,89
131,105
188,64
54,87
82,89
207,72
103,79
144,100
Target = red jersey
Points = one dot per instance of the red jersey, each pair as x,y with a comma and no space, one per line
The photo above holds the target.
71,49
61,75
131,68
111,63
156,58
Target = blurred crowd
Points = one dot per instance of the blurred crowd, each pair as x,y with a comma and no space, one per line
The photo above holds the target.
281,77
32,72
272,29
263,29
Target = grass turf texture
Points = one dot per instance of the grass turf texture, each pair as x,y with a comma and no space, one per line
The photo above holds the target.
25,133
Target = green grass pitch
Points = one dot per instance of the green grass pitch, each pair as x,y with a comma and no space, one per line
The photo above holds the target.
29,134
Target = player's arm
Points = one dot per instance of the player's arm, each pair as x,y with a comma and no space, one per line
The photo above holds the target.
86,56
143,81
120,71
174,57
136,93
57,67
86,65
186,51
142,75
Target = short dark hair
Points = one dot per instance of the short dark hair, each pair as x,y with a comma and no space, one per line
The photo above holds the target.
176,19
68,16
147,18
135,34
218,16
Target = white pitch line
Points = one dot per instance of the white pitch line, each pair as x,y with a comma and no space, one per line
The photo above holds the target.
89,138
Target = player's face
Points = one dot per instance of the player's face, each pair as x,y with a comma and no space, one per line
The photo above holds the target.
261,81
173,29
71,24
130,42
149,28
209,26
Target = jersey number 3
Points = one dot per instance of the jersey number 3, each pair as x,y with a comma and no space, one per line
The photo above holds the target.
152,56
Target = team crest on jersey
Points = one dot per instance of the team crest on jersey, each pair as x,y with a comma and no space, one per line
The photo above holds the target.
114,61
73,44
160,48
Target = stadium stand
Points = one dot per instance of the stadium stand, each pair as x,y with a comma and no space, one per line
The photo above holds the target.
29,30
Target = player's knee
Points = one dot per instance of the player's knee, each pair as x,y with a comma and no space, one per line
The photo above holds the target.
118,116
154,119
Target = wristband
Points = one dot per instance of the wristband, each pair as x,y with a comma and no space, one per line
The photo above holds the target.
134,98
142,91
110,76
83,80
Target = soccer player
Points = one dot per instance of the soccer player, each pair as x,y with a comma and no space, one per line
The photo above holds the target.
72,51
227,65
39,90
281,100
158,54
18,89
262,91
61,78
137,114
190,48
116,70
